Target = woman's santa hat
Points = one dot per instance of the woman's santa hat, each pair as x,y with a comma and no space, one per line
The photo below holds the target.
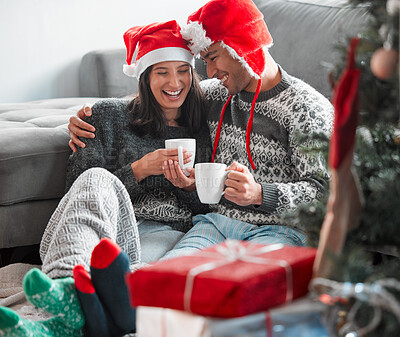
157,42
240,28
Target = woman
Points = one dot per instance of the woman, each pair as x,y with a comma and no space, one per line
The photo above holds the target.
116,183
129,143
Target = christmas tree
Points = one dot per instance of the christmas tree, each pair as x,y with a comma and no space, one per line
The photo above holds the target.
362,286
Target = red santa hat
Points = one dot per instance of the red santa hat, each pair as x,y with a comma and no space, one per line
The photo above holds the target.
240,28
157,42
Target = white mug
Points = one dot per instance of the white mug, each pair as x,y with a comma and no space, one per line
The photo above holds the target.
183,143
210,181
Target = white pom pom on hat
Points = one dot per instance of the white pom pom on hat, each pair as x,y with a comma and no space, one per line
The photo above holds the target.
129,70
195,33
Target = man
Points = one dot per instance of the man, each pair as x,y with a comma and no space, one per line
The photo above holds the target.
255,113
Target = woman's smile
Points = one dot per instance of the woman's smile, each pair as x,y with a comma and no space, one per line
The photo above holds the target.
173,95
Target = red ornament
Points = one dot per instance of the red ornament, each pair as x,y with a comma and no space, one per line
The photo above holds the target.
384,63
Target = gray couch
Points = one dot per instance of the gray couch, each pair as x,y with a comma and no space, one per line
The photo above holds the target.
34,139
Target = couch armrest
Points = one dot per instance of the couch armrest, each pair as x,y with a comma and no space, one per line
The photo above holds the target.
100,74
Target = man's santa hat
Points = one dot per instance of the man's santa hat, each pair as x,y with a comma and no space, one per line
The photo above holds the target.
157,42
240,28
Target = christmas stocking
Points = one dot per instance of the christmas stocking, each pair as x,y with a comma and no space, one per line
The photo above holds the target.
344,203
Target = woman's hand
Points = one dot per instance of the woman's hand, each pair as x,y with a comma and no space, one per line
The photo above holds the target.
152,163
173,172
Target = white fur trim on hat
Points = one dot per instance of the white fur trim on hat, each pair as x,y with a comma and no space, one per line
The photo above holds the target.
242,61
195,34
160,55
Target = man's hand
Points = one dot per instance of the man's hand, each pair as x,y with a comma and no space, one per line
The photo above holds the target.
173,172
241,188
77,128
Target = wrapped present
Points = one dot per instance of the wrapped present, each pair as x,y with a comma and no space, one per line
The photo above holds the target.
301,318
231,279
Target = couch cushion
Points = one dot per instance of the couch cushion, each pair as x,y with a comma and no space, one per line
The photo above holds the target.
23,224
34,149
305,34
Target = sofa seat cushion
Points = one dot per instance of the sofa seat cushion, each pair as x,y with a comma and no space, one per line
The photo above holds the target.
34,151
23,224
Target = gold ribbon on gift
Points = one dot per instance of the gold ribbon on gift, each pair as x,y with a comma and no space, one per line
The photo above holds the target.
233,251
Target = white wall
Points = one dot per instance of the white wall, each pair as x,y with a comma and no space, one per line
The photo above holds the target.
42,41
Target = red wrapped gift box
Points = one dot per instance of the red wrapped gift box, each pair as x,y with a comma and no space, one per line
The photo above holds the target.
231,279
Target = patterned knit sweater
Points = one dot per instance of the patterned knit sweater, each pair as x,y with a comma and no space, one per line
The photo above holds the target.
116,146
288,177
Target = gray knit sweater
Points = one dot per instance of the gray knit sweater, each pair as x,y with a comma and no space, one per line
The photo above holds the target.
116,146
288,177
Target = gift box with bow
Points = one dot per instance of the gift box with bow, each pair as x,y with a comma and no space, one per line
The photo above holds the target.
231,279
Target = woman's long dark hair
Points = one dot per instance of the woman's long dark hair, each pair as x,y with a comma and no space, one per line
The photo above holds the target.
147,117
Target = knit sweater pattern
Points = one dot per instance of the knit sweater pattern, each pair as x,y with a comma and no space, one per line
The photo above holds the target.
116,146
288,176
